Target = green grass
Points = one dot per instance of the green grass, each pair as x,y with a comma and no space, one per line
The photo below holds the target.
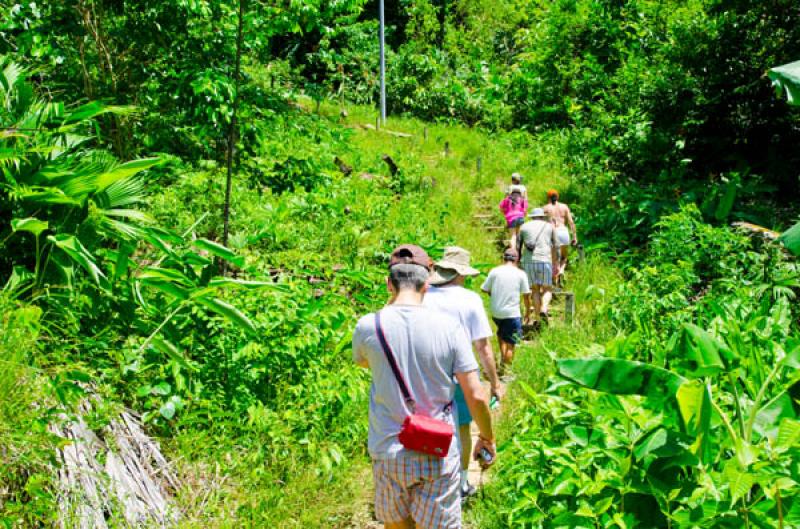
590,280
26,449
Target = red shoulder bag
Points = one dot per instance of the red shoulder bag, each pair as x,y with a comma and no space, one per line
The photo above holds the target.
419,432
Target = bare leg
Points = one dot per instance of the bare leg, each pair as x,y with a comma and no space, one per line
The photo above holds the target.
537,301
466,445
528,316
547,296
514,234
507,351
408,523
564,259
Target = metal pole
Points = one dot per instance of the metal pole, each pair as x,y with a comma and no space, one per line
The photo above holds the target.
383,65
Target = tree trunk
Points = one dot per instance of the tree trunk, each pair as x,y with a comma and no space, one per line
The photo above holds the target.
232,130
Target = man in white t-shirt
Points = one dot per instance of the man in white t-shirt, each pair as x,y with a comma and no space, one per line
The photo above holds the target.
429,349
505,284
447,294
539,260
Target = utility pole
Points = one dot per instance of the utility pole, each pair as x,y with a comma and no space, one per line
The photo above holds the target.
383,64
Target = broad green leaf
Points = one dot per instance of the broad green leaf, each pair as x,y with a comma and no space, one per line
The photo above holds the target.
621,377
770,415
786,80
20,277
579,434
30,225
165,274
228,281
791,239
78,253
220,251
168,348
168,288
788,435
45,195
230,312
739,482
694,403
702,350
169,408
660,443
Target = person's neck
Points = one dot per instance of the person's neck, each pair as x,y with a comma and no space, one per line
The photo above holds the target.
408,297
510,263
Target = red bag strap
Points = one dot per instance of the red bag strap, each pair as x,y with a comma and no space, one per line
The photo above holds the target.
387,350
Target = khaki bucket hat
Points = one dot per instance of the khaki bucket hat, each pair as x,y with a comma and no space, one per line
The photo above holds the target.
454,263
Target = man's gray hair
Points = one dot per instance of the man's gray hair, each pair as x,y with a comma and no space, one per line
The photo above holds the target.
405,276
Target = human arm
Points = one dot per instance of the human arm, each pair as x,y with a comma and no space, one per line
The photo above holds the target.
359,347
525,289
571,224
554,254
504,205
487,284
484,348
478,405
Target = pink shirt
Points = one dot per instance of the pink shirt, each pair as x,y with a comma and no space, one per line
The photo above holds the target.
513,211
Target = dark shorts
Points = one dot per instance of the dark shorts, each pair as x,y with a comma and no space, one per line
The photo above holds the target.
509,329
516,222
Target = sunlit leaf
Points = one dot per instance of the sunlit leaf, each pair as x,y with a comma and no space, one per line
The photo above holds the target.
30,225
220,251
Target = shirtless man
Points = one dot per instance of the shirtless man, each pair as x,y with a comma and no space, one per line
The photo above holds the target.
561,217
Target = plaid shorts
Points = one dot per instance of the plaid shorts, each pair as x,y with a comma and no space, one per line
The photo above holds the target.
419,486
539,273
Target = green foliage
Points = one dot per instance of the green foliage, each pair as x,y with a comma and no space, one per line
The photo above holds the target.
692,411
27,497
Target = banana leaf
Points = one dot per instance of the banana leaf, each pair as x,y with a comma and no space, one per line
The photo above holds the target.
786,80
621,377
791,239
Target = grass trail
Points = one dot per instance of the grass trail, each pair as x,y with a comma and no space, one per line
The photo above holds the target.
302,497
474,197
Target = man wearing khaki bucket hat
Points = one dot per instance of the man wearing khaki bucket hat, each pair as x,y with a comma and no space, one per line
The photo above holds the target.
447,294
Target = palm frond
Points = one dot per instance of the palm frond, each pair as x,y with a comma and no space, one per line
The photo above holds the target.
121,193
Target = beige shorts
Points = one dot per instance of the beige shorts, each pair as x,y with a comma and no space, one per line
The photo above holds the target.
419,486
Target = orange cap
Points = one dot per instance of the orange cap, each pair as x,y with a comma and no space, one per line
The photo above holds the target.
552,193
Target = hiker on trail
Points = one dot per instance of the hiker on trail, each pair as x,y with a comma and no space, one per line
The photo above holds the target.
561,216
537,239
514,207
447,294
427,348
505,284
516,185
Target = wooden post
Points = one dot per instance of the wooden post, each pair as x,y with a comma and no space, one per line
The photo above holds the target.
343,167
425,133
569,307
581,253
446,149
479,164
392,165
